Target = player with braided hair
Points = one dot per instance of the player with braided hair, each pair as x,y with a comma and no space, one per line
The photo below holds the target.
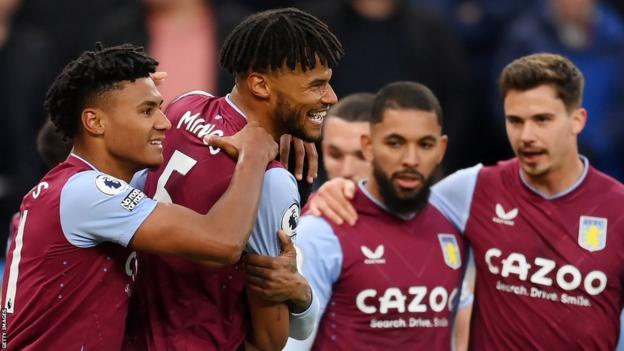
71,265
282,61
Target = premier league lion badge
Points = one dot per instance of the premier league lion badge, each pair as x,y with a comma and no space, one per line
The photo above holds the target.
110,185
450,250
592,235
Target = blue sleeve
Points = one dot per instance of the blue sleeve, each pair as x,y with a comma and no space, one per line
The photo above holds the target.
139,179
453,195
321,256
279,209
96,208
466,297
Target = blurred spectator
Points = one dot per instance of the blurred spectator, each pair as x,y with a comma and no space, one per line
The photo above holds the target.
591,34
26,53
386,41
480,25
183,38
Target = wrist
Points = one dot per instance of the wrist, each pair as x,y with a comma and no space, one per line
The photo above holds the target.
302,301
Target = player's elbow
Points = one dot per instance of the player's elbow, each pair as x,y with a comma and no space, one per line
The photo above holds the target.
231,254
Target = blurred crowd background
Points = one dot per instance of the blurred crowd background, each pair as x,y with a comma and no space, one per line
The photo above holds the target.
456,47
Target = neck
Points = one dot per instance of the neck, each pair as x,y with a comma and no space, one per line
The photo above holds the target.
102,161
559,180
373,188
255,111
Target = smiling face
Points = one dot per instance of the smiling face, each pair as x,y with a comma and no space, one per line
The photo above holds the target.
405,149
134,126
542,132
301,100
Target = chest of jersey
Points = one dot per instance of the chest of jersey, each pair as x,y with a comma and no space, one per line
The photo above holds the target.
559,256
57,295
399,281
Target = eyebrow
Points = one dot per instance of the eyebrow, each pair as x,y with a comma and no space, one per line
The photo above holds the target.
398,136
318,81
150,103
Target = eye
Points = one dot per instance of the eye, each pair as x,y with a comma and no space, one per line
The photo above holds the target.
394,143
514,120
542,119
148,111
427,145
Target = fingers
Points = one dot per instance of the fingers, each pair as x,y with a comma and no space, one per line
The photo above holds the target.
299,157
318,206
349,189
310,150
158,77
332,199
260,261
259,272
284,149
224,143
286,243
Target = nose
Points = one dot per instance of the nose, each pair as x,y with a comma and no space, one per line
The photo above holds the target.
329,98
527,134
411,157
347,169
162,122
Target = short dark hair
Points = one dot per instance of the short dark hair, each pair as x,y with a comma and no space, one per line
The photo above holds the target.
90,75
267,40
353,108
405,96
531,71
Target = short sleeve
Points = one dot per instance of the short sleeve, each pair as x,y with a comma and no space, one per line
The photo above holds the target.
96,208
321,256
453,195
279,209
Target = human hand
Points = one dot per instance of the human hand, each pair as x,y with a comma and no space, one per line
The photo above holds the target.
158,77
332,200
277,279
251,140
302,149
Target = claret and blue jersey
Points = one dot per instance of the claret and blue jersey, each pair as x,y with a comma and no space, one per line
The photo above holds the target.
549,272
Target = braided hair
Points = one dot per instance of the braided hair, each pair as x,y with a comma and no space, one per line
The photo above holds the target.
267,40
88,77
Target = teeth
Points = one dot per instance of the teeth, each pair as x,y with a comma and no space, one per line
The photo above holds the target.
156,142
318,116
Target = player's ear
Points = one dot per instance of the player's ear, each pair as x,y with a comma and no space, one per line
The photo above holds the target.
258,85
442,145
579,118
367,146
92,121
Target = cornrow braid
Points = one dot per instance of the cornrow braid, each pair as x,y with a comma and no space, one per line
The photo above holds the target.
267,40
90,75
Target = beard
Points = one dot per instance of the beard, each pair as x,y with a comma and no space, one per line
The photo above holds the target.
291,121
392,197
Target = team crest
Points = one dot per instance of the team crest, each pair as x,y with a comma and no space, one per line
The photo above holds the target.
450,250
290,220
110,185
592,234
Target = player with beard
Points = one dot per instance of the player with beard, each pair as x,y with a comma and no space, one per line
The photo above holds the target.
546,227
282,61
370,278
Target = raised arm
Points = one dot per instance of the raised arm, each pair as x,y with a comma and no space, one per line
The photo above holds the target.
222,233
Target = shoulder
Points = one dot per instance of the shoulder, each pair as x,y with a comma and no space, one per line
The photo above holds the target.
191,96
279,177
189,104
608,185
460,178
